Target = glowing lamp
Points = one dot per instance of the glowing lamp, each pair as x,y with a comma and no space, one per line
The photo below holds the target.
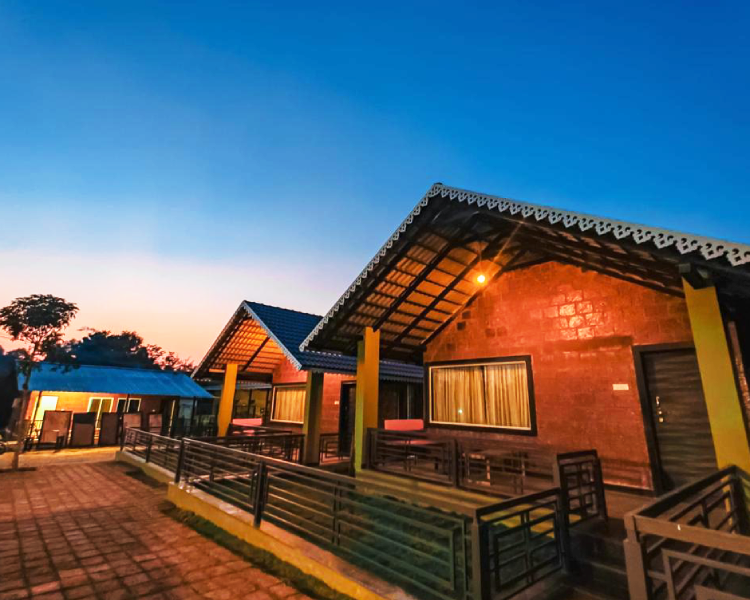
481,278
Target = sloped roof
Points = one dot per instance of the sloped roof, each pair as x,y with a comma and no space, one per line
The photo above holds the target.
259,337
426,271
50,377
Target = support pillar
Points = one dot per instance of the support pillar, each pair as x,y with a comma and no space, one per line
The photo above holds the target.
226,404
368,379
717,376
313,412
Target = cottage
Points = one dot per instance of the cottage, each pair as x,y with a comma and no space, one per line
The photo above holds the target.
550,330
166,402
264,375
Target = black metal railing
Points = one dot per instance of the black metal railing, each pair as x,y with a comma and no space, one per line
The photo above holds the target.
413,454
693,543
579,477
423,550
285,445
152,448
520,542
491,553
333,448
494,468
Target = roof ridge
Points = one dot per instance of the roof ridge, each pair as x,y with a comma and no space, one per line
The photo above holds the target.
73,366
293,310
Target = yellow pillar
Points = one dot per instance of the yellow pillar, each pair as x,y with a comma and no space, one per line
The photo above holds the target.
368,378
313,411
226,404
717,376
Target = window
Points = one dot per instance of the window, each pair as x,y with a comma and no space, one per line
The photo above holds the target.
128,405
289,404
99,406
492,394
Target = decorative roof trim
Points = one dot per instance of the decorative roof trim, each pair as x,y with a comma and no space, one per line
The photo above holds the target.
710,248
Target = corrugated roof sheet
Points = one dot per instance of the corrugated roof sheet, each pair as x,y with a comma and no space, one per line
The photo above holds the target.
115,380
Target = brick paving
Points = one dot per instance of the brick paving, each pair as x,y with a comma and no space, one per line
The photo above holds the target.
91,531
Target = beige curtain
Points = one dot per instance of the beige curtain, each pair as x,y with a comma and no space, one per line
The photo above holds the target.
289,404
490,395
507,390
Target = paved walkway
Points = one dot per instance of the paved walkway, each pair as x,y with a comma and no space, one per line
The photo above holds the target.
90,531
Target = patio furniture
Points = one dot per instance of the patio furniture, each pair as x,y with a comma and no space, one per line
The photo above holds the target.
84,429
109,429
55,428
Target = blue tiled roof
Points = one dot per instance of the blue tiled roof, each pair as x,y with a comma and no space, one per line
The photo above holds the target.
49,377
289,328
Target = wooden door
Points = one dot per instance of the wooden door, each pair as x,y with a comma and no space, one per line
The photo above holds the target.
347,409
678,415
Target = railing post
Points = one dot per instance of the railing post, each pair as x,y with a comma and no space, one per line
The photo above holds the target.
563,529
148,447
561,481
455,466
480,560
261,477
600,495
635,563
123,433
180,459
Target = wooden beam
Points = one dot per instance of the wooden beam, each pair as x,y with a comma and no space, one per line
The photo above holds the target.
255,354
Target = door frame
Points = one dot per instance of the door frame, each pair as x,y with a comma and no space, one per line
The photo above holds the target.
652,442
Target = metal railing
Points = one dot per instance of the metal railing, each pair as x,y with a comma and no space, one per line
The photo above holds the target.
152,448
492,467
332,448
285,445
413,454
579,476
491,553
693,542
520,542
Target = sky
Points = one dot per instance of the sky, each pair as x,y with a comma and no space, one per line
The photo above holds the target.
162,161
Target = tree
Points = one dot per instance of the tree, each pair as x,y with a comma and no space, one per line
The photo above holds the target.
37,321
126,349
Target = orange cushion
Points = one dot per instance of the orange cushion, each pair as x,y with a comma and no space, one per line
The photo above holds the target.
404,424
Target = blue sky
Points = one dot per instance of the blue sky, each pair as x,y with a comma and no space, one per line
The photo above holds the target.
161,161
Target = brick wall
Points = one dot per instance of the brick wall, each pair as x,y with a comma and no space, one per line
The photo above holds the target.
579,328
286,372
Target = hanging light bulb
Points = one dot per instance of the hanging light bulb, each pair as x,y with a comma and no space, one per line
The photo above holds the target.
480,278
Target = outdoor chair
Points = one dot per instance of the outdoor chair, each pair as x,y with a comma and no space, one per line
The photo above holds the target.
55,428
84,430
109,429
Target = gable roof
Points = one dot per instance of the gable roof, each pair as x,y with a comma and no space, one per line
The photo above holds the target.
259,337
425,272
49,377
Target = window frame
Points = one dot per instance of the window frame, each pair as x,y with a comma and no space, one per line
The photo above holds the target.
99,412
127,402
525,358
273,403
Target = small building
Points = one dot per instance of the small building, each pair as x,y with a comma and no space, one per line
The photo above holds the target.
263,374
546,329
102,389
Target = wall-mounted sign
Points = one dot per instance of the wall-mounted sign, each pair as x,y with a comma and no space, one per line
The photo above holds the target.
620,387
